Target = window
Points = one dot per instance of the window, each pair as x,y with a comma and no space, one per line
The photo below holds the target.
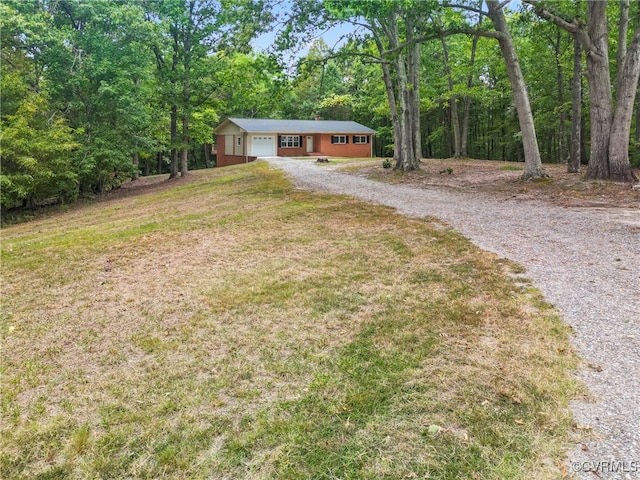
360,139
339,139
290,141
239,141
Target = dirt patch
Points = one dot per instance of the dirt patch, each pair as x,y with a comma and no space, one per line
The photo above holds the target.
503,179
151,184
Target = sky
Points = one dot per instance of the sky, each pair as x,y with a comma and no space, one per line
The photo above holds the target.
333,37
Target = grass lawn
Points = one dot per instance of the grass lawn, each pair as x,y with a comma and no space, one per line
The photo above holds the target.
230,326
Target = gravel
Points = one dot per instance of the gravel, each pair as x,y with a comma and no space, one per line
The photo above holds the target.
586,261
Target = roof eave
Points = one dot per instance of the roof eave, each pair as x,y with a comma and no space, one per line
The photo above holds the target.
227,122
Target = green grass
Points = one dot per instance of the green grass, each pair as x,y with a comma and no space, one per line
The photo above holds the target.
230,326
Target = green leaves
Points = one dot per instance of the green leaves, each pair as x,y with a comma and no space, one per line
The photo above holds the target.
34,154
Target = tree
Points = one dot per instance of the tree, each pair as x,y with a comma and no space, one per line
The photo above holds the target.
36,143
35,147
610,123
533,163
246,85
396,28
188,33
573,165
99,68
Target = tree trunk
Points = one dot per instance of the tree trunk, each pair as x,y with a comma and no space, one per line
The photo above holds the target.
610,128
136,163
619,167
464,140
453,103
207,155
576,108
638,107
638,121
393,108
415,79
413,66
447,140
407,153
174,138
533,163
391,98
599,90
562,154
184,158
405,139
623,30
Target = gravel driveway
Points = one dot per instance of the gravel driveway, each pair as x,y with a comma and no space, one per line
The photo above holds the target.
586,261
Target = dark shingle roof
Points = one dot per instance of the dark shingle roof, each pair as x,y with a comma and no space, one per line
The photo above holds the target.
299,126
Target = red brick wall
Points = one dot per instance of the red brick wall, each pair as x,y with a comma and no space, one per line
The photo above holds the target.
292,151
342,149
321,143
223,160
226,160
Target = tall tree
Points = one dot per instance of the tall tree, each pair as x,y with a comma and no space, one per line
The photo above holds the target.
101,72
573,165
188,32
90,62
533,163
610,122
36,143
453,103
397,29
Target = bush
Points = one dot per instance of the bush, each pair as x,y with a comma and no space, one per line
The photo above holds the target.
386,163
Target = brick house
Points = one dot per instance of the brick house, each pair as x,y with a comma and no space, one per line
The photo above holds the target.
241,140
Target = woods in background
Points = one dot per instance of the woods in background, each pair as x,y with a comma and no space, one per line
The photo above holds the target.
95,92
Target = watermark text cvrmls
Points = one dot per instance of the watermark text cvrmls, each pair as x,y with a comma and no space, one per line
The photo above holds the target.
607,466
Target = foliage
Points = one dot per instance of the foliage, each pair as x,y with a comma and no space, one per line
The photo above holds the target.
36,144
90,85
35,154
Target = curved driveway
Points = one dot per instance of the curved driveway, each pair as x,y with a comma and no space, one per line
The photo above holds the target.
586,261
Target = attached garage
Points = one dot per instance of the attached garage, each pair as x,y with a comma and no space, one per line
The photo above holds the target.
242,140
263,146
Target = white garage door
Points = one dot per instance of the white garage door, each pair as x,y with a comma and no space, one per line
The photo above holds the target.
263,146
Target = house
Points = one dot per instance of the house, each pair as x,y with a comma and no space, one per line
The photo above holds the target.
241,140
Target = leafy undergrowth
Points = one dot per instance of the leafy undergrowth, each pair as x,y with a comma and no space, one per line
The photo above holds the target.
234,327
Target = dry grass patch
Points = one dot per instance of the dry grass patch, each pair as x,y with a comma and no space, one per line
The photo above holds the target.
230,326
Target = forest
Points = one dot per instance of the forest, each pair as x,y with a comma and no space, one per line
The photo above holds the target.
98,92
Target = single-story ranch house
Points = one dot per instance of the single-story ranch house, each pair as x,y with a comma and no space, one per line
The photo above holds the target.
241,140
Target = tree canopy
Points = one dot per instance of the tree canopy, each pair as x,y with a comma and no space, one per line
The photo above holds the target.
96,92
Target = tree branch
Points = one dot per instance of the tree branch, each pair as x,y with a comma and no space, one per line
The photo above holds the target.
574,27
484,33
467,7
69,13
5,59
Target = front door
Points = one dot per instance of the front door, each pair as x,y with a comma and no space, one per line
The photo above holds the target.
309,144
